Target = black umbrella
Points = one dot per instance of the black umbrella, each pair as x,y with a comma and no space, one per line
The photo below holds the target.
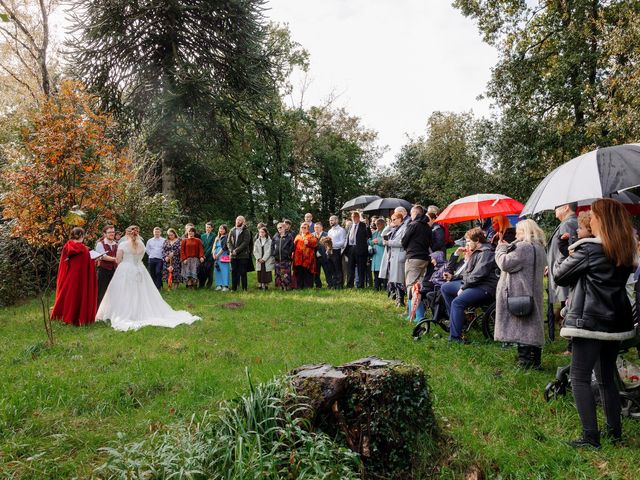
595,174
384,204
359,202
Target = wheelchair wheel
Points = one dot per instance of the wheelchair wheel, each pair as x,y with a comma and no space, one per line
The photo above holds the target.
554,389
630,405
421,329
489,322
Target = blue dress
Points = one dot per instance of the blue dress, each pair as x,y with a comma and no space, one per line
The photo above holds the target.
221,270
378,251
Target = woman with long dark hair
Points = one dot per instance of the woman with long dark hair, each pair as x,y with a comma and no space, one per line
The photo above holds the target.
598,315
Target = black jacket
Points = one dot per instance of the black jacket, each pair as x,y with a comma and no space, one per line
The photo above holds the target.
482,271
438,240
417,239
508,236
361,248
242,245
282,247
598,306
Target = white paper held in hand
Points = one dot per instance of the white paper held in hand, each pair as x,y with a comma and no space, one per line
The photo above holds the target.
95,255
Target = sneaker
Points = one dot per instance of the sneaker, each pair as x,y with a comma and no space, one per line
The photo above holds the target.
218,288
225,289
584,443
589,439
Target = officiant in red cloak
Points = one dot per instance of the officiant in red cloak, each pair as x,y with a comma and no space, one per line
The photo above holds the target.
76,286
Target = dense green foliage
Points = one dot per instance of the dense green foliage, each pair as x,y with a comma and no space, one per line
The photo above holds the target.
261,434
60,405
442,166
562,85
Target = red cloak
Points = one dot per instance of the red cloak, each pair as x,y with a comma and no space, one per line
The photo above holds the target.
76,286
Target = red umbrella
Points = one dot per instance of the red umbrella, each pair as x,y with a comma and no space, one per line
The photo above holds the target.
481,205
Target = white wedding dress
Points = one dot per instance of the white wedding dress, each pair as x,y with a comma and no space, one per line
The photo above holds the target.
132,300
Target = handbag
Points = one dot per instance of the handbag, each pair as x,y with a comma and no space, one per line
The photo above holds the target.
521,305
224,258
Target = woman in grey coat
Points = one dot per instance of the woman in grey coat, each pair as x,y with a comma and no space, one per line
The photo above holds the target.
522,269
393,259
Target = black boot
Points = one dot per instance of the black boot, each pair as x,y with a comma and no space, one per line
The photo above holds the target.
524,358
611,434
535,355
590,438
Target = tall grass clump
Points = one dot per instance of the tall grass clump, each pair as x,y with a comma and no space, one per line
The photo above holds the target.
260,435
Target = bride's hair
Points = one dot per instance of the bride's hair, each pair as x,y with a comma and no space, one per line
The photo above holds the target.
138,244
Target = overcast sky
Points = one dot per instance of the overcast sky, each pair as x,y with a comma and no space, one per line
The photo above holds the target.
393,62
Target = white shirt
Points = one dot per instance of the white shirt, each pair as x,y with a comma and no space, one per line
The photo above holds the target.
154,247
338,237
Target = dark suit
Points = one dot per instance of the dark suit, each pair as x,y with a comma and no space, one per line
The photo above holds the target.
322,262
357,254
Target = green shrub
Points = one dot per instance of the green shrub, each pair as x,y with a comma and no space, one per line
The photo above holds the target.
394,412
258,435
18,263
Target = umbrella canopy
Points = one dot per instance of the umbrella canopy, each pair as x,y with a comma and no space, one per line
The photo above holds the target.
630,200
481,205
359,202
595,174
384,204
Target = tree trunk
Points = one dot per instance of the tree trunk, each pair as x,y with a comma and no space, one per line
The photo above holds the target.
382,409
168,177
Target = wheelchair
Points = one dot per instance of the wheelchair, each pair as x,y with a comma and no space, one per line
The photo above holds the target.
483,316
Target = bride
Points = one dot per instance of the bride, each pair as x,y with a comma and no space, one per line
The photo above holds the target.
132,300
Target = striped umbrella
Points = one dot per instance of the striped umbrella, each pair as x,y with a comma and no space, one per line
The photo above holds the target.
596,174
480,205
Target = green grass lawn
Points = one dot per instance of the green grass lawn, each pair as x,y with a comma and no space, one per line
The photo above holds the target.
58,406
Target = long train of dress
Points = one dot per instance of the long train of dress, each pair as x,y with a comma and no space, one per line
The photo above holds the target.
132,301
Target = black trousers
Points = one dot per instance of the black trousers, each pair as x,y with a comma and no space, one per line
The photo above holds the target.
304,278
239,269
323,265
598,356
337,278
205,273
359,263
379,283
155,270
104,278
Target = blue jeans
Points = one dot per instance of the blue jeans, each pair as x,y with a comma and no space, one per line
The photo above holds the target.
456,304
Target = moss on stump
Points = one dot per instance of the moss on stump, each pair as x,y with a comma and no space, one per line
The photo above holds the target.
382,409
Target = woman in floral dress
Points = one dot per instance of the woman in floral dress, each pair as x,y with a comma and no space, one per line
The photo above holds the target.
171,256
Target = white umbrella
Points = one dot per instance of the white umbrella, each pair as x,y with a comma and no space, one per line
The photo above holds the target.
596,174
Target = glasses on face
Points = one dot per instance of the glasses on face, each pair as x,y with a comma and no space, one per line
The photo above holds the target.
305,228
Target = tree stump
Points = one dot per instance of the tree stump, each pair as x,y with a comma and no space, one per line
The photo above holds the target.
382,408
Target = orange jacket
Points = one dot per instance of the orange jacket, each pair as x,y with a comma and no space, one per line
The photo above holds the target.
305,255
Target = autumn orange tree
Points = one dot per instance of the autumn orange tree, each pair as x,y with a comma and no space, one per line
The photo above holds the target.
66,172
66,164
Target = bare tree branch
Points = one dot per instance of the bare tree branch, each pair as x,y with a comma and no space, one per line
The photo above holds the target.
20,81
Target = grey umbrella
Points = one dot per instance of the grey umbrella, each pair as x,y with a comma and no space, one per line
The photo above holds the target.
359,202
384,204
596,174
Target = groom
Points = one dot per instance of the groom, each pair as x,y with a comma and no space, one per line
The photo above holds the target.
107,263
239,244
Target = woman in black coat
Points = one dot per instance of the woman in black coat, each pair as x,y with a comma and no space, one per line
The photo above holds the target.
598,315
